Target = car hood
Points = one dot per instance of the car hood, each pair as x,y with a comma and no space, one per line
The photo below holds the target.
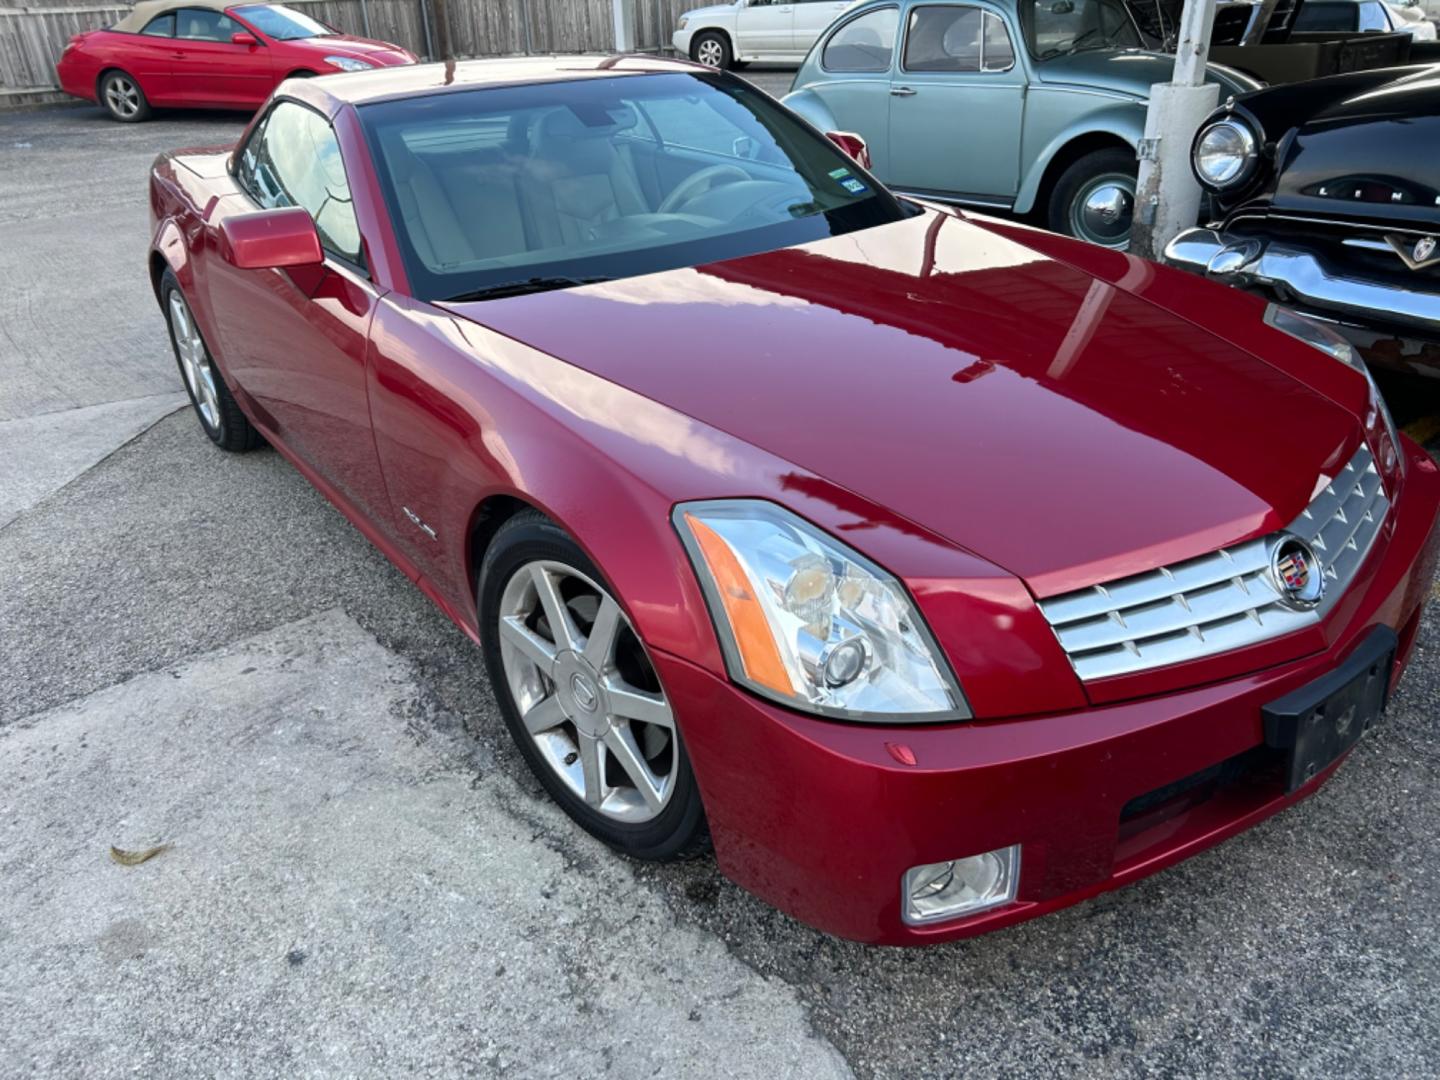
1378,142
1127,71
375,52
1053,424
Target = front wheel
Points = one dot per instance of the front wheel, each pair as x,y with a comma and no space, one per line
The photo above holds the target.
122,98
581,697
1094,198
712,49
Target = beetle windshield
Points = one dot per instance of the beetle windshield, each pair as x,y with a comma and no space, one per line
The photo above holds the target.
1057,27
512,189
281,23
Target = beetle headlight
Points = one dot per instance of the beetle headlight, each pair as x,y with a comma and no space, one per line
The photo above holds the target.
348,63
1379,424
1225,153
811,623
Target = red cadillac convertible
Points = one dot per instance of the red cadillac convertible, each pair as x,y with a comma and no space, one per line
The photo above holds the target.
939,571
212,54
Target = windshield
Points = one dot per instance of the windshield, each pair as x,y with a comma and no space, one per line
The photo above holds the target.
515,189
1057,27
282,23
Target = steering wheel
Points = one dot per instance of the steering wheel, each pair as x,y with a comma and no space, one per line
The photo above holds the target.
698,183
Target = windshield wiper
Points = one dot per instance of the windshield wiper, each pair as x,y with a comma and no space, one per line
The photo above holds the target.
521,287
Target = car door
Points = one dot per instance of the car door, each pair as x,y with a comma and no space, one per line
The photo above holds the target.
765,28
209,69
811,19
856,58
957,103
296,340
148,56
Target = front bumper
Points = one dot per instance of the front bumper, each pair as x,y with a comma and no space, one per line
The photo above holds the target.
1296,275
822,819
681,40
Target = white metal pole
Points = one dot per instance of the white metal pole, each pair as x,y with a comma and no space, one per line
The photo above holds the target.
624,13
1167,196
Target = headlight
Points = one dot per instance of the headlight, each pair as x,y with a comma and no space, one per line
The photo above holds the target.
1224,153
680,22
808,622
1377,416
348,63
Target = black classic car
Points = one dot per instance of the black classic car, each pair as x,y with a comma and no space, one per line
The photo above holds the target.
1325,195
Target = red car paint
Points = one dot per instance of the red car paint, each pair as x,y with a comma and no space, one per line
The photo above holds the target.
181,73
1014,414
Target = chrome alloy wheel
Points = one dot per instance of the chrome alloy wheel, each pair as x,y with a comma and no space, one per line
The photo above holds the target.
710,53
1103,210
194,361
586,692
122,95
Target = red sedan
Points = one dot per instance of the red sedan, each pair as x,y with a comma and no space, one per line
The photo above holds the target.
211,54
940,571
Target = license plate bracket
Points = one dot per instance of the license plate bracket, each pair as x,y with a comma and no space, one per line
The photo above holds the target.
1321,720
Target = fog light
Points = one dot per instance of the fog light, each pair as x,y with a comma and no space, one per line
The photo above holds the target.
947,890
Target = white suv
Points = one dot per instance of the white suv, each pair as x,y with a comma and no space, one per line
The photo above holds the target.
732,35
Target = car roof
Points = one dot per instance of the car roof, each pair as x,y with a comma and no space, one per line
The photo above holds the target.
330,92
146,10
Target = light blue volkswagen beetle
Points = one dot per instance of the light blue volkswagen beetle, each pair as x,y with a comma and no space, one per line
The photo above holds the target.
1023,105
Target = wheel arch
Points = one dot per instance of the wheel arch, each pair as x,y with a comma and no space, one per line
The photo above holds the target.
107,68
719,31
486,520
1066,149
169,253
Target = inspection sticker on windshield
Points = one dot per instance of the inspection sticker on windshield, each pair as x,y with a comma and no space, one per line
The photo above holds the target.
848,182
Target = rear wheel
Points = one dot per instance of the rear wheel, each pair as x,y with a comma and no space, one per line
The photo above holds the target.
581,697
712,49
219,414
122,97
1094,198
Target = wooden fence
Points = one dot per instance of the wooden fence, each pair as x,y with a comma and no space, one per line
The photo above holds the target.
31,38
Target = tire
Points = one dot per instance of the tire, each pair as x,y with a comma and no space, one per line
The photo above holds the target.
121,97
574,707
219,414
712,49
1108,178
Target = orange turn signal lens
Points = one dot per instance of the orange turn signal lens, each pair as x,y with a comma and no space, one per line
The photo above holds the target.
759,654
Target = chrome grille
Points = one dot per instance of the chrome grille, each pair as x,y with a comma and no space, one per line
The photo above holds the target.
1224,600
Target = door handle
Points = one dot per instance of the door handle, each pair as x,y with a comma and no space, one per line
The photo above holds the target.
902,91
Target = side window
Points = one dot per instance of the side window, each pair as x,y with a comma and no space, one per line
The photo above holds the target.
199,24
292,159
999,53
1373,17
161,26
943,39
863,44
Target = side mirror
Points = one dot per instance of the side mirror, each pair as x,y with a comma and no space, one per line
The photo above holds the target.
269,239
853,145
242,38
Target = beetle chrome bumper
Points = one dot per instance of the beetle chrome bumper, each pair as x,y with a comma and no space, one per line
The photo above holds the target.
1297,275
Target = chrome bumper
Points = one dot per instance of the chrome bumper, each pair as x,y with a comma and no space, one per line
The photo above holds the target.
1295,274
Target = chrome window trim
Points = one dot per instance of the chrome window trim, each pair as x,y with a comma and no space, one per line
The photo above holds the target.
1227,599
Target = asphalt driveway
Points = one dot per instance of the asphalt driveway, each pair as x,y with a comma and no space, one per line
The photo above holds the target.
355,873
